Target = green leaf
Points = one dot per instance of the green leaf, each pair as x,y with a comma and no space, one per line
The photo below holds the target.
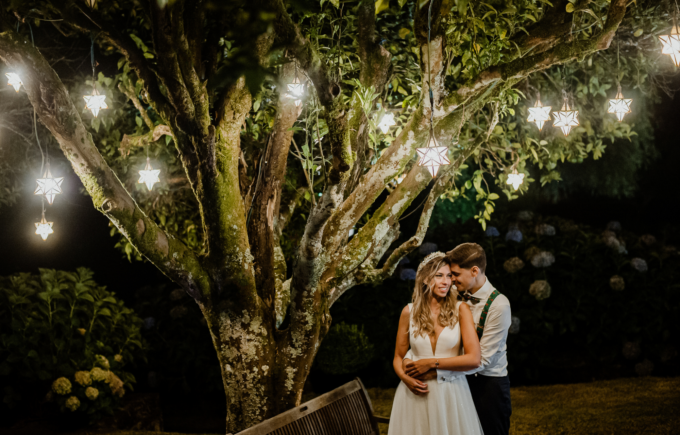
138,120
380,5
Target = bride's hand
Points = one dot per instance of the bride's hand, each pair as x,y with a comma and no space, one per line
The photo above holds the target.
432,374
418,368
418,388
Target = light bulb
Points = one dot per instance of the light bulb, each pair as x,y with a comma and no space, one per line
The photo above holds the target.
149,175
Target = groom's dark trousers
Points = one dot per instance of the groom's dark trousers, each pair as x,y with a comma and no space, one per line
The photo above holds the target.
492,401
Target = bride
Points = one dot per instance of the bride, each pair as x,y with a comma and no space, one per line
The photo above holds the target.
430,399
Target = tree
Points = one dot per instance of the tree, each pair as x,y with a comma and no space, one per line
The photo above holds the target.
206,75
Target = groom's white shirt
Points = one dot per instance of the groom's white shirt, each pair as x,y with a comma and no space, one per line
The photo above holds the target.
494,339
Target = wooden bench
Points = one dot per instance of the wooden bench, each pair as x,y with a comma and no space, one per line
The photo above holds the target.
347,410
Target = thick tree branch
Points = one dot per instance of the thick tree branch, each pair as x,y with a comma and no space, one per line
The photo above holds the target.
55,108
267,201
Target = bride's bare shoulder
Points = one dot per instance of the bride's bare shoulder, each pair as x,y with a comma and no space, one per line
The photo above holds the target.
406,311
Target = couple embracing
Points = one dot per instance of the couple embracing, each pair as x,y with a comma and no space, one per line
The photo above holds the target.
451,350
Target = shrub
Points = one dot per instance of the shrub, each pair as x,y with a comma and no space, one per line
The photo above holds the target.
60,331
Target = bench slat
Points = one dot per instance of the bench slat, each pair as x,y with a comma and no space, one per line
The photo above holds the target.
346,410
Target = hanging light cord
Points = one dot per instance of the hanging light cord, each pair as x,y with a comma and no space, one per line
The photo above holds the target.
429,61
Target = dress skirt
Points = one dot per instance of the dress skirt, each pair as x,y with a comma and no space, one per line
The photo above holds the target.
447,409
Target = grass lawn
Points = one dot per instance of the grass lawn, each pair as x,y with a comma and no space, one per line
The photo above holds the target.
622,406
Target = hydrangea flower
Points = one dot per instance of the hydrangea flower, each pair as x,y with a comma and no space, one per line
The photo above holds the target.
617,283
407,275
614,226
102,361
427,248
83,378
631,350
639,264
609,238
404,261
118,358
648,239
545,230
91,393
514,235
99,375
149,323
540,289
543,259
492,232
61,386
514,264
178,312
567,226
514,325
645,368
177,294
116,385
72,403
525,215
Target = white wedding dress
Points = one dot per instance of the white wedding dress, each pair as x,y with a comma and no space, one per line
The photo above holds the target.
448,408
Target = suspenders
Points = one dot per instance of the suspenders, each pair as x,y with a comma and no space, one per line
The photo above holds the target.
482,318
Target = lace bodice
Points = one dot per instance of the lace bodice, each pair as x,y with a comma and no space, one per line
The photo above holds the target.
448,343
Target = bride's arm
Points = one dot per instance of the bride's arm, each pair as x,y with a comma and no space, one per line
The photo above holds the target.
416,386
473,354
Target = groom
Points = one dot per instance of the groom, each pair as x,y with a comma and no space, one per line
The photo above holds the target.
489,383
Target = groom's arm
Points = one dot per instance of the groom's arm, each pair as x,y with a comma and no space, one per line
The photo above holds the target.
494,337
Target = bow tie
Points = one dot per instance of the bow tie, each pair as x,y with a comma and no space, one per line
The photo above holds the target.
467,297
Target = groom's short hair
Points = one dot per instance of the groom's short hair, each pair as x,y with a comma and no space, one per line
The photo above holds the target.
468,255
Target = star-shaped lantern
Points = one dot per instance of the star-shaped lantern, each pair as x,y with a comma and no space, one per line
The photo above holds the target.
515,179
433,156
671,45
43,228
539,114
386,122
91,3
49,186
95,102
619,105
14,80
566,118
149,175
296,90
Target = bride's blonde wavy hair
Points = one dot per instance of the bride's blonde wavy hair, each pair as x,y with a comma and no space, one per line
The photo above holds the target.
421,316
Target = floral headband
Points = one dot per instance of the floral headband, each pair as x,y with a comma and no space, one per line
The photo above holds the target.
429,258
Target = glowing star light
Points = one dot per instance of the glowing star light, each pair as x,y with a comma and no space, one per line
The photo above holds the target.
566,118
95,102
149,175
14,81
619,105
539,114
49,186
296,90
43,228
386,122
515,179
671,45
433,156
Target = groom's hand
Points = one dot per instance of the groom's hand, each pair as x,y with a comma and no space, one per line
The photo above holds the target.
418,368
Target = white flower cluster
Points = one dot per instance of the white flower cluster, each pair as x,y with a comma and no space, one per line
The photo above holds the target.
91,393
514,325
543,259
83,378
513,265
102,361
72,403
540,289
545,230
610,239
61,386
617,283
639,264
